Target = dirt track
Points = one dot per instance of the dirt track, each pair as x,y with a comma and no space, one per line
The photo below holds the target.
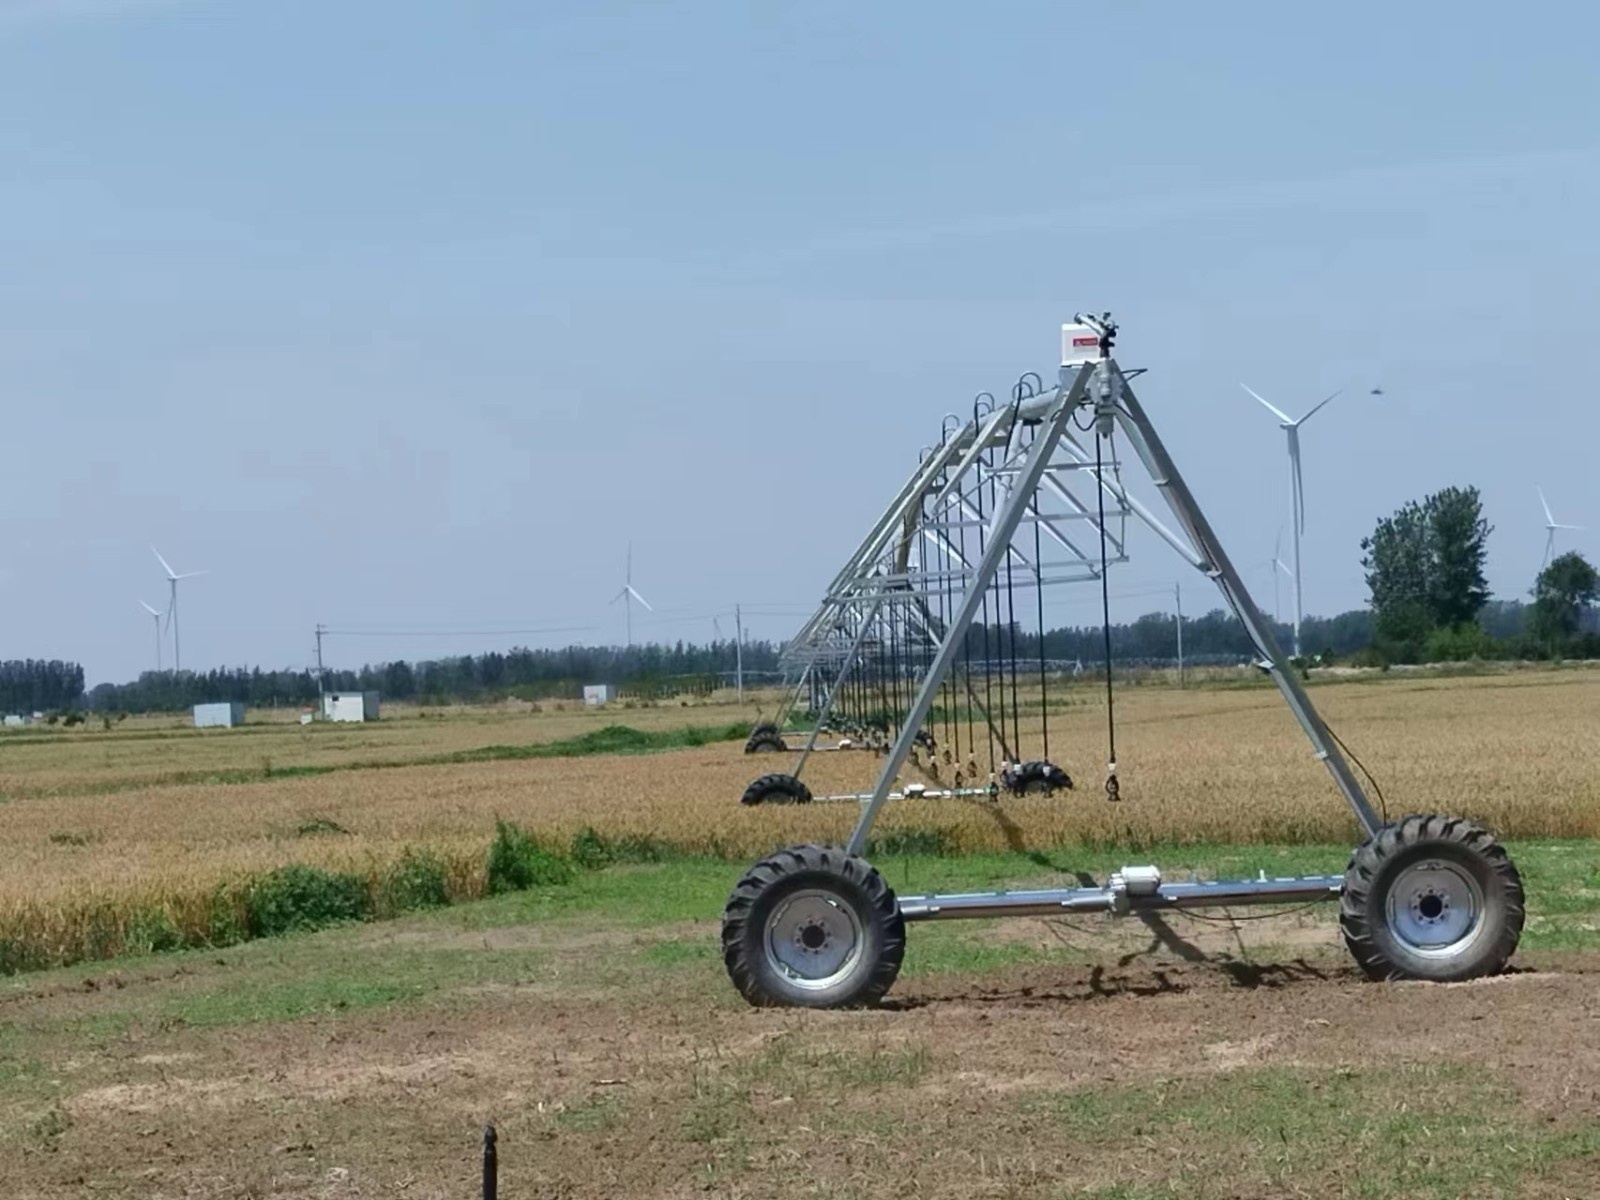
1116,1079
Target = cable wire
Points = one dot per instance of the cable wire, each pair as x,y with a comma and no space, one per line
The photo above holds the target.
1229,919
1383,805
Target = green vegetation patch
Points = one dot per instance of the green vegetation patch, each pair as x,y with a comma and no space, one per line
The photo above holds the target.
518,862
298,898
416,882
1418,1132
613,739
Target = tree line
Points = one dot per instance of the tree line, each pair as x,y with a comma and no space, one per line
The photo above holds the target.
1425,569
1214,637
32,685
526,674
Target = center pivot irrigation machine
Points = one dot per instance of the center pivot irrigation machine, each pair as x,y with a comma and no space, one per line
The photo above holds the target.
910,644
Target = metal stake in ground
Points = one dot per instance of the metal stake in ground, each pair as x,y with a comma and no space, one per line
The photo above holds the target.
491,1163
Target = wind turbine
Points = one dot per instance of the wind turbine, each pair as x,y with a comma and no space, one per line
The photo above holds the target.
1276,566
628,595
1291,427
156,613
172,604
1550,528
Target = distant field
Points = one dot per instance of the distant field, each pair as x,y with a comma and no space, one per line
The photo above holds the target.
104,829
40,760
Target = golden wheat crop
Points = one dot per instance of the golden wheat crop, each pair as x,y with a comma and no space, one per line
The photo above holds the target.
1520,751
42,761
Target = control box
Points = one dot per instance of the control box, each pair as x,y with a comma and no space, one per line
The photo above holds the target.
1079,344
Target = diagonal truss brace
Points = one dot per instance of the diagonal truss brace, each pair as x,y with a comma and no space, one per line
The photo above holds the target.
1103,388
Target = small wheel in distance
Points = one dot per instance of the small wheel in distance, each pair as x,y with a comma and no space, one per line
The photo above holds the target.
1054,777
1038,779
1431,897
776,789
812,927
765,742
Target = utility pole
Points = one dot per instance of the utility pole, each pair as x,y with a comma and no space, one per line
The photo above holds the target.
1177,595
322,697
738,650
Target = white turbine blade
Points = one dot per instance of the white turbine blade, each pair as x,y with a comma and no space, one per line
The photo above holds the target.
1314,411
639,598
1275,411
1284,568
620,595
191,574
1549,517
154,612
1574,528
171,574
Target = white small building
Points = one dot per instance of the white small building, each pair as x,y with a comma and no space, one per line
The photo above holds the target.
218,716
350,706
597,693
15,719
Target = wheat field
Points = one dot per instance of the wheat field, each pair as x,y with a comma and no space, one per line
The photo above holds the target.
103,826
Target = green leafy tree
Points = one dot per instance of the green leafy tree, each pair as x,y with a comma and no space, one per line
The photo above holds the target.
1459,540
1561,594
1425,568
1397,566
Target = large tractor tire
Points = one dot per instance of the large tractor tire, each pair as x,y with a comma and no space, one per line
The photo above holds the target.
1431,897
776,789
765,740
812,927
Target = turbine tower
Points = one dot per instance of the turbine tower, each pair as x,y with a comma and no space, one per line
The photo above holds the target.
628,595
172,604
1291,427
1277,566
1550,528
156,613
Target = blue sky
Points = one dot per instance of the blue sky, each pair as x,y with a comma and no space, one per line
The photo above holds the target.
409,316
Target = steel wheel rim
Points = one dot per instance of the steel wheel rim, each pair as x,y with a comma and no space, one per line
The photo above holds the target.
1435,908
813,939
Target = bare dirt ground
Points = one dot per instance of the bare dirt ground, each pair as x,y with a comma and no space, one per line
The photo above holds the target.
1204,1061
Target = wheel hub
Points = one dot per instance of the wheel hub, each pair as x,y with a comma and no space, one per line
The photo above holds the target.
1435,907
813,938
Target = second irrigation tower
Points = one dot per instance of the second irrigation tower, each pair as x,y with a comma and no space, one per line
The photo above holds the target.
1025,496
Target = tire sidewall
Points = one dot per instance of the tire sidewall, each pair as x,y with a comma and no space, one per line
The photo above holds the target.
776,789
775,982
